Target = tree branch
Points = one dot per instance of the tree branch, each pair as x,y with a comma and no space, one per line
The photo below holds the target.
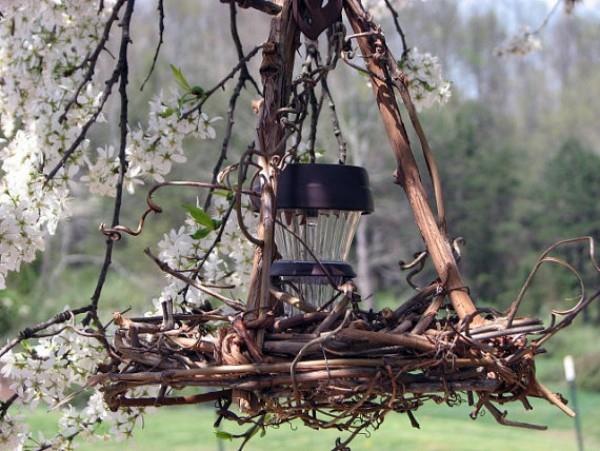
123,73
30,332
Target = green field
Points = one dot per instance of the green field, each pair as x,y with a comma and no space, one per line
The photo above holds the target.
442,428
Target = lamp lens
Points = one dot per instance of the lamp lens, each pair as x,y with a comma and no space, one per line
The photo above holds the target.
328,233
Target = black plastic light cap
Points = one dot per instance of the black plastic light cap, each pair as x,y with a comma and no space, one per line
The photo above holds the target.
293,268
324,187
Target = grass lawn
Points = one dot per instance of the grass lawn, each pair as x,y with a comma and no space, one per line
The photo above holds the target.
442,428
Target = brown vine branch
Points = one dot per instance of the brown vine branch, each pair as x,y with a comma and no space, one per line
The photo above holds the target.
514,307
432,167
376,54
174,400
114,232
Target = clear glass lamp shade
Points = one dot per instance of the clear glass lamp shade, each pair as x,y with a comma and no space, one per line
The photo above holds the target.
309,282
328,233
316,291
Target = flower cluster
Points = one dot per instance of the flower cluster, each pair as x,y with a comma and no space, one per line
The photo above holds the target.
229,262
522,43
40,43
44,46
426,82
152,152
39,372
13,433
48,372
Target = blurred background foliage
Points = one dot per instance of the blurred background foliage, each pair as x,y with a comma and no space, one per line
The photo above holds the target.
517,146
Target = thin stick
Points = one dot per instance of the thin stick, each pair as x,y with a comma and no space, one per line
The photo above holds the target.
236,305
161,31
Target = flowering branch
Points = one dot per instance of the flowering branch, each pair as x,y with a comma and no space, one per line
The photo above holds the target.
236,305
127,155
92,60
526,40
123,71
31,331
119,71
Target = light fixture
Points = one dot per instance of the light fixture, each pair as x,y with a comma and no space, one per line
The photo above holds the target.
308,282
318,210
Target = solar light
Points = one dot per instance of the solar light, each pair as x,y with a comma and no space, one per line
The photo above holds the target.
318,208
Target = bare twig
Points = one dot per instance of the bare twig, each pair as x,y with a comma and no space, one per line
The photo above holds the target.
243,78
5,405
161,31
399,29
239,66
236,305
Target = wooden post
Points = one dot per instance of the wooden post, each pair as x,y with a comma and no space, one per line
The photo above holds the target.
407,175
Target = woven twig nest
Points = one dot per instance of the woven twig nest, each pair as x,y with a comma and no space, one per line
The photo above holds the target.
343,369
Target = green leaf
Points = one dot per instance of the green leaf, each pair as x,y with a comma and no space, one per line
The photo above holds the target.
202,232
180,78
168,112
200,216
222,435
198,91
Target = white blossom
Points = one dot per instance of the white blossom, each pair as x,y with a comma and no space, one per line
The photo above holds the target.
153,150
522,43
13,433
229,263
40,41
43,49
46,373
426,82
